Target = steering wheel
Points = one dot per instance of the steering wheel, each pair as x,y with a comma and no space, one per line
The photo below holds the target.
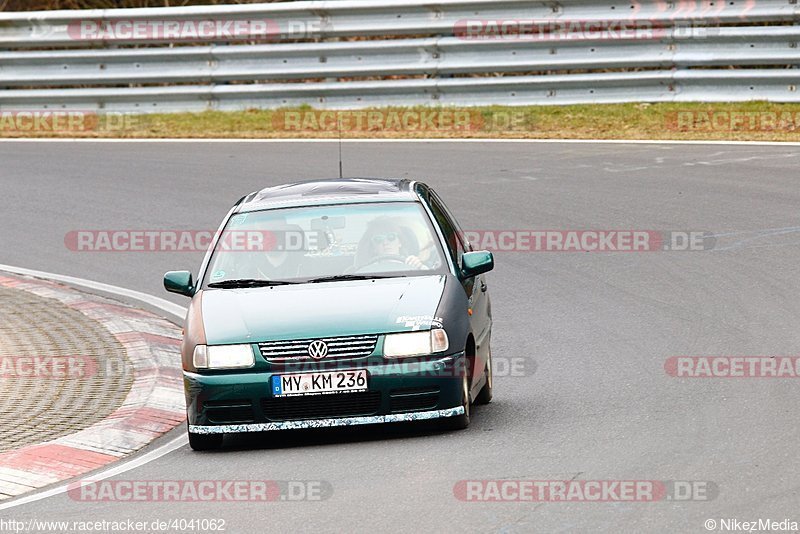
384,258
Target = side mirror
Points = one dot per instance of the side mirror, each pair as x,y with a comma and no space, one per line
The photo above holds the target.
475,263
179,282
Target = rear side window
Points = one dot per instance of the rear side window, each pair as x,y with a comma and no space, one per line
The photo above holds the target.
459,231
449,229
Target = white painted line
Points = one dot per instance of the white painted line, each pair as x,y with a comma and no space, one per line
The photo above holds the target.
178,311
117,469
494,140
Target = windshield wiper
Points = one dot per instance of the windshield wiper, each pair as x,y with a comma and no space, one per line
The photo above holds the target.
249,282
343,277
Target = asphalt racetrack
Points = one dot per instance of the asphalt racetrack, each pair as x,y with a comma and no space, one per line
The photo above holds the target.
595,328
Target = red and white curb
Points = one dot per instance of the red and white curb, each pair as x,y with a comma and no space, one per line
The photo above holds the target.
154,405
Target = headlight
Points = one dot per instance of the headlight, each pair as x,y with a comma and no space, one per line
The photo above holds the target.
415,343
223,357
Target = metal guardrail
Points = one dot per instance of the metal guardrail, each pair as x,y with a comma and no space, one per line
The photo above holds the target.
355,18
684,57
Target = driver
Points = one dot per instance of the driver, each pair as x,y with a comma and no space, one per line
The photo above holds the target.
385,239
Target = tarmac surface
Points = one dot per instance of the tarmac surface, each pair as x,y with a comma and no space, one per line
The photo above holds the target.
599,326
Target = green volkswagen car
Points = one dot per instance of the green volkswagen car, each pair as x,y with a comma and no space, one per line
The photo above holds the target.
335,303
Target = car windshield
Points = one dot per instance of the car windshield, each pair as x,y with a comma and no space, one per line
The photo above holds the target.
321,243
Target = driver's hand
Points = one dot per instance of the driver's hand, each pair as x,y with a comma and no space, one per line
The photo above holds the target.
415,262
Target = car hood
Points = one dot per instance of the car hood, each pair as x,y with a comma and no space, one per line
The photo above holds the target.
327,309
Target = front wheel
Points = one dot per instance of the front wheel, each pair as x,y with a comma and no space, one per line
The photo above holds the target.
205,442
485,395
460,422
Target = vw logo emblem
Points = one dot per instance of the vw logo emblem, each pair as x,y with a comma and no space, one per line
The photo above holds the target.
318,349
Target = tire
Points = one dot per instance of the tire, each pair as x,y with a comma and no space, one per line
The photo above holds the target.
485,395
205,442
460,422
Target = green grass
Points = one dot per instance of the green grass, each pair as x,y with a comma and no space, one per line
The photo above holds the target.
758,121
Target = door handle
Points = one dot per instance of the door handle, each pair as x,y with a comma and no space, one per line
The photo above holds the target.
483,286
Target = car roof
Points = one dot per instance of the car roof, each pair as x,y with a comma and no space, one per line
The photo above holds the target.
334,191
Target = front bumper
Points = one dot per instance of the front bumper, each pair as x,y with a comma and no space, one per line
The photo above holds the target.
326,423
243,401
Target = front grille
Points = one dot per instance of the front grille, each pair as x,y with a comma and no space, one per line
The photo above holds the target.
229,412
413,399
321,406
339,348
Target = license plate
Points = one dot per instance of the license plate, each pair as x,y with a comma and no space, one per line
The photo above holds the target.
319,383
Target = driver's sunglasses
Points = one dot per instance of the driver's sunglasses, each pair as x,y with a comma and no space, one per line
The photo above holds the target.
381,238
